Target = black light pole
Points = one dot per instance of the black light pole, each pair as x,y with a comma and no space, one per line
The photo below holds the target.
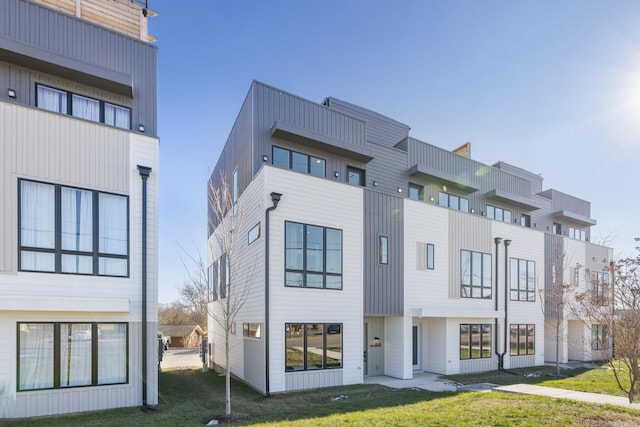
275,198
144,171
497,241
506,303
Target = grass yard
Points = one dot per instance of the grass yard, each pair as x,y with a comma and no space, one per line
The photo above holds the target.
189,396
578,379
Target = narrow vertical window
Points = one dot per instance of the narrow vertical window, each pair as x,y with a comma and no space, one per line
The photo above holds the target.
35,356
235,190
37,226
430,256
75,354
383,250
113,231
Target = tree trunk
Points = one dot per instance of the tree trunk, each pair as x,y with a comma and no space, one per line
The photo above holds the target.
227,374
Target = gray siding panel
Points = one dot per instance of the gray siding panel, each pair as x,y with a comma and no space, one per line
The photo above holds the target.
554,254
383,284
74,43
254,363
380,129
388,169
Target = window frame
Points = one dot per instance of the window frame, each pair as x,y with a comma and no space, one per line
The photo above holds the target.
383,250
56,354
305,346
518,287
492,213
522,347
455,197
253,234
304,271
482,353
600,282
252,330
57,250
431,249
308,158
485,283
599,337
360,172
416,187
68,108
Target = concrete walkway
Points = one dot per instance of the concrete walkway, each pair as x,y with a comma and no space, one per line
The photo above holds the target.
432,382
559,393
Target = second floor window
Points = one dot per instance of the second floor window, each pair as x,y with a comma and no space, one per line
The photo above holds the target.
83,107
599,286
452,201
499,214
298,162
416,191
71,230
475,274
355,176
523,280
313,256
577,233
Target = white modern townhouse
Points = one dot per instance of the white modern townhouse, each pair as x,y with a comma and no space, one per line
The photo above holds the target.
374,253
78,210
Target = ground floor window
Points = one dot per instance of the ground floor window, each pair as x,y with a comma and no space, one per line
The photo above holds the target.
61,355
475,341
523,338
599,337
311,346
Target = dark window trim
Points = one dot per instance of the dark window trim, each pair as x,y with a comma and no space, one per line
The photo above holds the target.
519,350
360,171
56,355
518,288
308,156
383,238
470,340
69,111
257,234
246,328
57,250
431,260
324,346
483,287
418,187
304,257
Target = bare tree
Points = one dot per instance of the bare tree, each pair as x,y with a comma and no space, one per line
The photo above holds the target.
611,311
231,290
195,289
174,313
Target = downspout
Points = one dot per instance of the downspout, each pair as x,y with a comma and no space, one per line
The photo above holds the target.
497,241
144,171
506,304
275,198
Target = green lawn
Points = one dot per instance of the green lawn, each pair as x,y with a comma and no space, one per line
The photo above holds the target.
579,379
189,396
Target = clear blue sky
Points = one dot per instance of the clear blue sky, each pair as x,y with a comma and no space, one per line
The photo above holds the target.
550,86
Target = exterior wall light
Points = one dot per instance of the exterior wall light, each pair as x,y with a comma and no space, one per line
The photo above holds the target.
375,183
141,128
11,93
376,342
473,210
399,189
431,199
336,174
265,158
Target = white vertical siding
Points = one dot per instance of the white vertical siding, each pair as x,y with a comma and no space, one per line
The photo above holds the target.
397,344
316,201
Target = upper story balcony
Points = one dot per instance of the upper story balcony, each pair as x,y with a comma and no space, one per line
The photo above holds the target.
124,16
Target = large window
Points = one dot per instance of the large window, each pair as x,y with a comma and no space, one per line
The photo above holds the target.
452,201
600,285
523,280
599,337
577,233
298,162
312,346
64,102
499,214
523,339
475,274
475,341
71,230
60,355
313,256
